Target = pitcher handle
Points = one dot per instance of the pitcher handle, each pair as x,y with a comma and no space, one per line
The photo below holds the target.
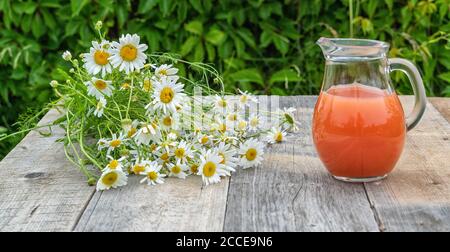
414,77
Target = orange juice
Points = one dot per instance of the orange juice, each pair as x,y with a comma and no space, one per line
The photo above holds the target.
359,131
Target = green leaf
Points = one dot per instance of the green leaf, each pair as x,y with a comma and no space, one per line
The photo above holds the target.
28,7
146,5
37,26
445,77
77,5
199,53
215,37
122,14
248,37
281,43
265,39
48,19
248,75
166,7
188,45
195,27
197,5
285,75
211,52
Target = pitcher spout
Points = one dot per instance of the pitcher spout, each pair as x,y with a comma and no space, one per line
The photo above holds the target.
347,48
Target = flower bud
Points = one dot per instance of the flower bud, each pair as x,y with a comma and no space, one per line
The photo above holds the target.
98,25
53,83
67,56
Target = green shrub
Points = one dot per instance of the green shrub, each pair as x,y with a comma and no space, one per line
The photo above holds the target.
264,46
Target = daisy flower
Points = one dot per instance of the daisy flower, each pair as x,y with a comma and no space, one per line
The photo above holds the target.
183,152
165,70
147,133
147,84
99,88
178,170
246,98
169,121
211,168
254,122
251,153
168,96
102,143
288,119
204,139
127,54
276,135
227,154
114,164
130,127
97,60
193,169
152,175
101,104
139,167
242,125
111,179
221,104
115,142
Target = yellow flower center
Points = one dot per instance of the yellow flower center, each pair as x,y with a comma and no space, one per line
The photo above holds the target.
166,95
254,122
251,154
176,169
222,127
278,137
209,169
163,72
152,147
100,85
243,99
137,169
110,178
194,168
167,121
232,117
242,125
204,139
147,85
113,164
179,153
125,86
152,175
115,143
165,157
101,57
131,132
223,158
222,103
128,52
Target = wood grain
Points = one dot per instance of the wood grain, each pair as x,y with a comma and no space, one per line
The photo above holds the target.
416,195
177,205
292,191
39,189
442,105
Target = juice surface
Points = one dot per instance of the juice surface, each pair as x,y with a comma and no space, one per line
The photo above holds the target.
358,131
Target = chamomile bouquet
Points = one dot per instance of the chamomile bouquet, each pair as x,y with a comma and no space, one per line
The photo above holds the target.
129,113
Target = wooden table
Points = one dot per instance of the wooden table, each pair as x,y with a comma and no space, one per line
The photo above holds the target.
291,191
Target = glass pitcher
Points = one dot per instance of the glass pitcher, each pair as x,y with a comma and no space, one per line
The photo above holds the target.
359,125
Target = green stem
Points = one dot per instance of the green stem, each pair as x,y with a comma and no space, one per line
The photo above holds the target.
129,98
350,6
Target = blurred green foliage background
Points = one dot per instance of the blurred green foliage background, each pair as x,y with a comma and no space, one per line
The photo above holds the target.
263,46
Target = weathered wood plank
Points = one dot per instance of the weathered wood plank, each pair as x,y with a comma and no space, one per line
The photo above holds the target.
39,189
292,191
177,205
416,195
442,105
